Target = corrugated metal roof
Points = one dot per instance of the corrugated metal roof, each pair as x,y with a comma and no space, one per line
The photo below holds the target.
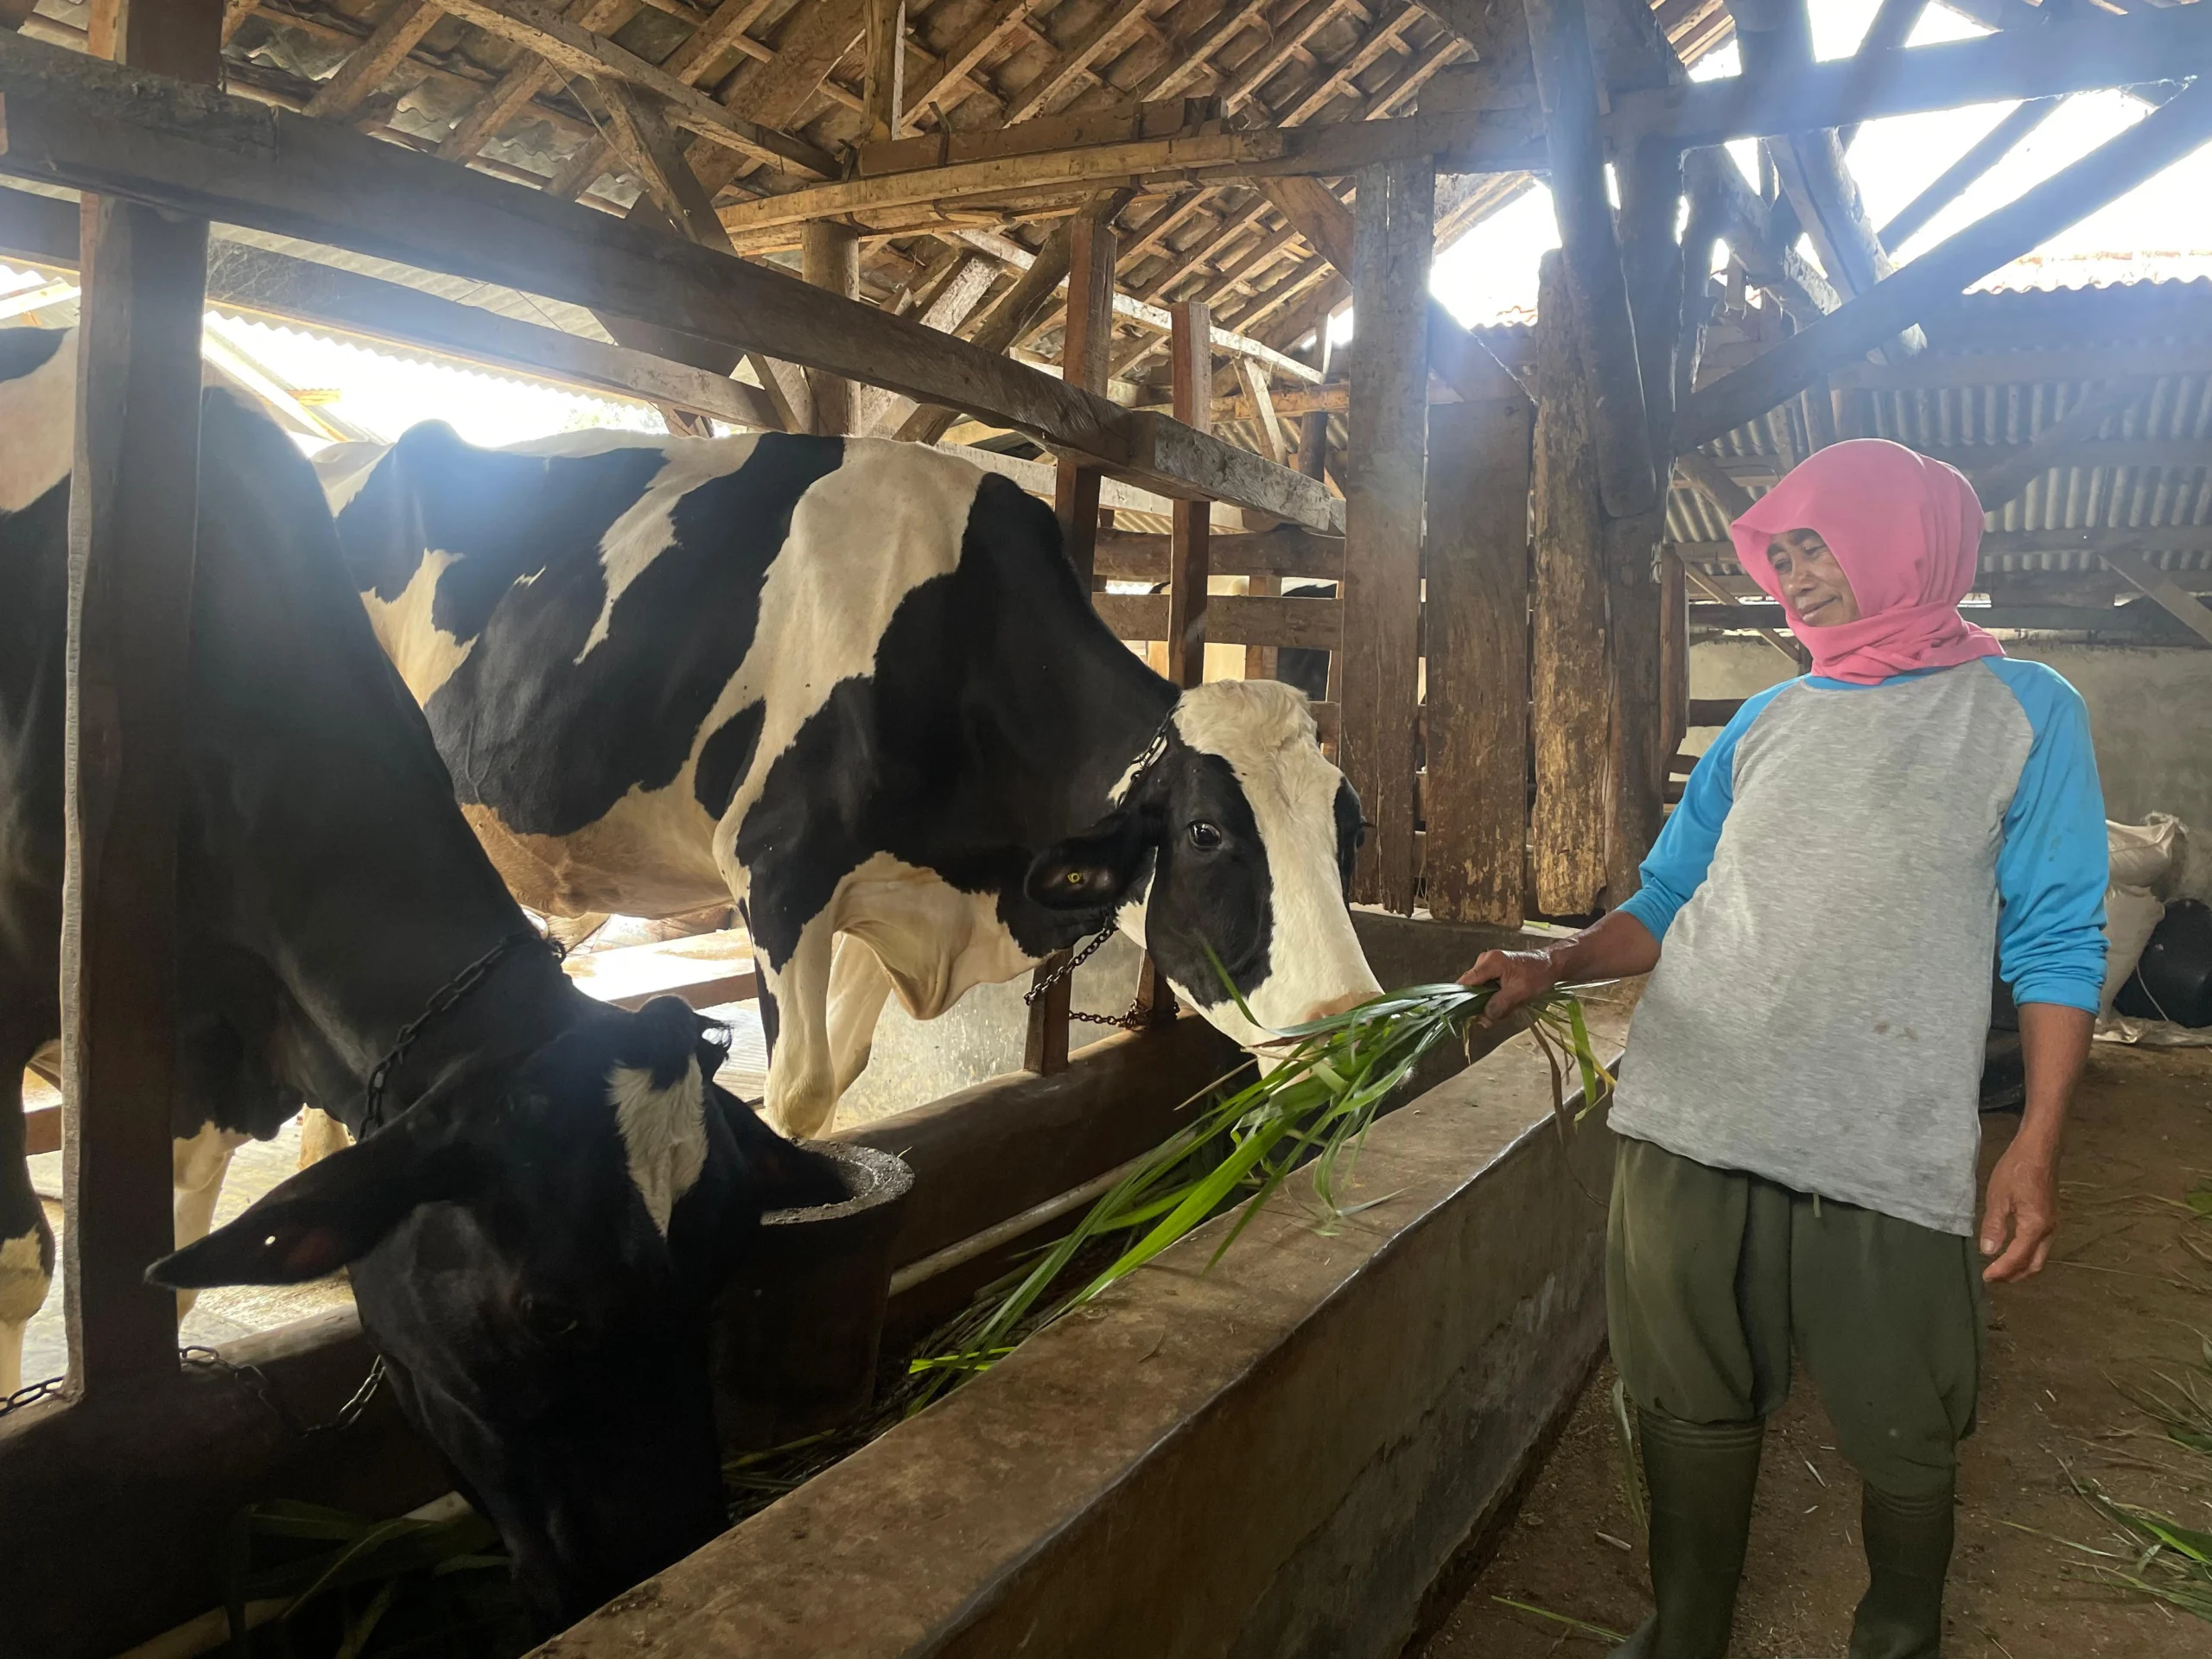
2151,470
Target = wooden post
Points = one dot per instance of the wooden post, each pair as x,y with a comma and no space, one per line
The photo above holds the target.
829,256
1674,655
132,523
1385,469
1559,37
1189,560
1477,636
1085,358
883,84
1085,361
1567,670
1651,176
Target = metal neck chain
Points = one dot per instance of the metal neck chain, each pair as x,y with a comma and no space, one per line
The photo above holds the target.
442,1000
1139,1014
252,1375
1134,1020
257,1380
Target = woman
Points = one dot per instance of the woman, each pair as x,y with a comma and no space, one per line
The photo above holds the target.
1797,1105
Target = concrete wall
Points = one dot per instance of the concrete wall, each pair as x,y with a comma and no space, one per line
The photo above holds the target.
2150,707
1276,1458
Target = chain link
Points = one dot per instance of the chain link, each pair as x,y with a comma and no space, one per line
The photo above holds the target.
441,1001
257,1380
1134,1019
31,1393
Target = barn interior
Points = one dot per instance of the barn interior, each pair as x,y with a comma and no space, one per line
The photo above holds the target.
1169,267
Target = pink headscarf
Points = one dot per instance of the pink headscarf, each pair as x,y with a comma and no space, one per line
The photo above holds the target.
1906,531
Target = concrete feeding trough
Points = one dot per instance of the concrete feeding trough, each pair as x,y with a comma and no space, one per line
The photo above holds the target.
798,1331
1287,1455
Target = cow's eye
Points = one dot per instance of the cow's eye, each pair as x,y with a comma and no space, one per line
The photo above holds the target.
1205,836
549,1319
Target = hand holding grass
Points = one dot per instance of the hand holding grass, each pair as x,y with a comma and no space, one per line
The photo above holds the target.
1617,947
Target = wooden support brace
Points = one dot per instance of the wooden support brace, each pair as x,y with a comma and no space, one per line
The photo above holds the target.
1189,566
1940,275
1085,360
2145,576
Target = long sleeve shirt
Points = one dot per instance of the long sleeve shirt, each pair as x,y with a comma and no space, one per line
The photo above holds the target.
1829,895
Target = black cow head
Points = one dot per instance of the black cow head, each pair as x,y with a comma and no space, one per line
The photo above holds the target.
535,1250
1235,836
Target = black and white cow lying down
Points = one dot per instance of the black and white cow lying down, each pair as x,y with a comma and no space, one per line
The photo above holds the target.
854,686
535,1240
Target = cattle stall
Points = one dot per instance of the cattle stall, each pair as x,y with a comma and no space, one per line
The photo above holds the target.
1096,248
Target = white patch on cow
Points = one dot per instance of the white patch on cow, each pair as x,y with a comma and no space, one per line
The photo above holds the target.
1265,731
425,655
665,1133
890,925
23,1284
861,539
38,412
198,1164
647,528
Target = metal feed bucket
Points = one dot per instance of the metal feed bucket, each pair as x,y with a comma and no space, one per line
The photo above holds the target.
799,1329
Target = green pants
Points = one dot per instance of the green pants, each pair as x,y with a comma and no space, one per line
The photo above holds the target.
1712,1277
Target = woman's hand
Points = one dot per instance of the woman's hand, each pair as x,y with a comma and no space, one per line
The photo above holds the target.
1520,975
2019,1217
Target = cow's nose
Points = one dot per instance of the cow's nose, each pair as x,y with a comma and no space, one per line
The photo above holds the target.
1333,1005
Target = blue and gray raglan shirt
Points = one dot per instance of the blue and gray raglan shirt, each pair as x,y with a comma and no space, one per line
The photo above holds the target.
1829,895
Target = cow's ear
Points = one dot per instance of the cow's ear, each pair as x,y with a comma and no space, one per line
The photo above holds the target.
1099,868
331,1213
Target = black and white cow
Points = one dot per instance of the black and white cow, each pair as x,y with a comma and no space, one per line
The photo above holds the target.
535,1239
855,686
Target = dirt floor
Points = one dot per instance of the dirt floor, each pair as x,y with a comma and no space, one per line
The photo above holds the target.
2125,1297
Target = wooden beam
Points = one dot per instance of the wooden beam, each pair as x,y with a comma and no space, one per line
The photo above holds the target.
255,281
947,313
1997,483
2115,168
1075,58
1894,21
1135,555
1568,664
1455,356
543,30
1189,566
133,513
1008,319
2158,585
1746,225
374,60
1477,714
883,84
1232,619
2051,59
73,120
961,60
1383,491
1957,179
525,80
1273,443
1558,36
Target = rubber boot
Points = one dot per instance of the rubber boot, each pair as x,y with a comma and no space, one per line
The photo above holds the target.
1908,1552
1701,1478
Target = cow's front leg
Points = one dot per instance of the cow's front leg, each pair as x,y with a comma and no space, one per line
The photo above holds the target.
197,1167
858,987
802,1078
